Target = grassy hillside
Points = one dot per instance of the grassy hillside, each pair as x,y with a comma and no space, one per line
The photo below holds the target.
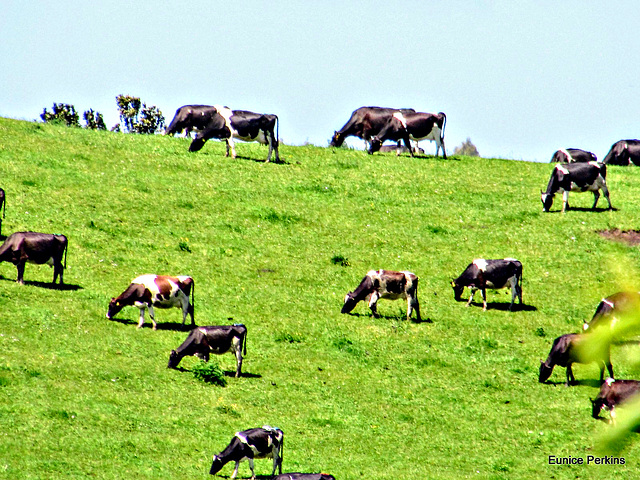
358,397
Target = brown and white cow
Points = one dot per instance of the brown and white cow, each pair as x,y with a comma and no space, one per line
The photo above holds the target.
387,284
217,339
623,152
492,274
247,126
161,291
613,393
33,247
612,309
191,118
265,442
365,123
573,155
569,349
413,126
576,177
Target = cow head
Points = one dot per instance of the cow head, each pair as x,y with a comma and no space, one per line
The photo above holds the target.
174,359
336,140
545,372
114,308
547,201
216,465
375,145
596,407
350,303
457,290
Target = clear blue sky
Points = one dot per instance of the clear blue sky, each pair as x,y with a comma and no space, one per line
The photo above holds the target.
521,79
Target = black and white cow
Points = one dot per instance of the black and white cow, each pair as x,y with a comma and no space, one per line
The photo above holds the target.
161,291
623,152
191,118
573,155
492,274
365,122
3,206
387,284
576,177
265,442
613,308
230,124
569,349
217,339
413,126
39,248
304,476
613,393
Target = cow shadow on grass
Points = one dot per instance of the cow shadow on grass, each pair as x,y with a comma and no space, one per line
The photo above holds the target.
398,318
47,285
262,160
227,373
504,306
166,326
594,383
587,209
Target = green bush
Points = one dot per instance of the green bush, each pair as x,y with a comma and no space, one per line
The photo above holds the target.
63,113
210,372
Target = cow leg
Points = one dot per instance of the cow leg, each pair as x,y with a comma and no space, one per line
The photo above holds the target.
237,347
444,152
514,291
141,322
412,302
277,463
57,270
20,266
483,292
269,138
472,291
596,197
373,302
610,368
605,190
407,143
253,473
570,378
231,144
565,201
235,470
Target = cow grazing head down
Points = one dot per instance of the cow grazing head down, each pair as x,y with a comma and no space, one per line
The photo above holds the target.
114,308
457,290
350,303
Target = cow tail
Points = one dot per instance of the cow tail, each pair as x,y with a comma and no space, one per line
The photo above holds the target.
66,247
4,206
246,333
193,294
277,132
444,124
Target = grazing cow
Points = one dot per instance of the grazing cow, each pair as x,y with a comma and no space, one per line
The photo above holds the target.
162,291
623,152
572,155
566,350
216,339
612,393
33,247
3,206
365,122
191,118
412,126
304,476
576,177
614,306
493,274
385,284
229,124
265,442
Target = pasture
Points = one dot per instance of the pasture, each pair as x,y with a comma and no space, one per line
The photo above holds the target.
357,397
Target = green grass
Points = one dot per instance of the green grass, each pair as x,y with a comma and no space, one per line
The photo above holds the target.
276,247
